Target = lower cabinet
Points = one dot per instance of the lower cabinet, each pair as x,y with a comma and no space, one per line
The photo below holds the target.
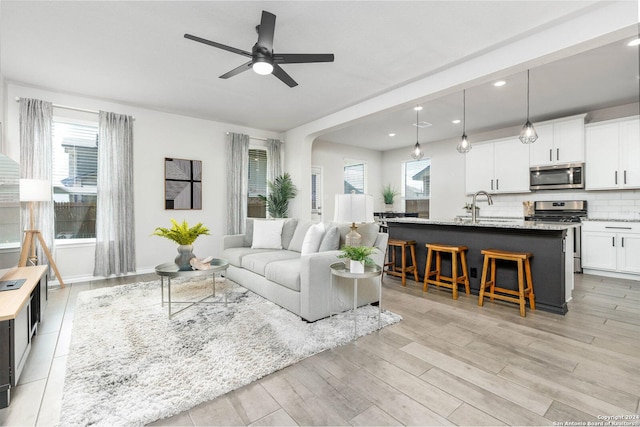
611,246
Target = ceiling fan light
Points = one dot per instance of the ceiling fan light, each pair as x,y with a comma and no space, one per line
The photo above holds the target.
464,146
417,153
528,134
262,67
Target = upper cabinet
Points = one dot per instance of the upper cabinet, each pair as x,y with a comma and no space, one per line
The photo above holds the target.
500,166
613,154
559,141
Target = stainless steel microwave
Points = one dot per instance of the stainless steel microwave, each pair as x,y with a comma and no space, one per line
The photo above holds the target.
556,177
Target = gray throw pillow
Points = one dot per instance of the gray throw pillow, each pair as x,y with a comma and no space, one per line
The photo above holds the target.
369,232
248,233
298,235
330,240
288,230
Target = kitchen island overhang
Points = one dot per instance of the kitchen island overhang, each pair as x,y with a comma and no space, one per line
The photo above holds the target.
551,264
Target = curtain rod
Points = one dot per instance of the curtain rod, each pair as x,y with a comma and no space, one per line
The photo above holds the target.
66,107
259,138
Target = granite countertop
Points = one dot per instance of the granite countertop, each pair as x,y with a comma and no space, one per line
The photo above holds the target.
610,220
495,222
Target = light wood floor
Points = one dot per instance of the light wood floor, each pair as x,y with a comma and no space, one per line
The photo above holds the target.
447,363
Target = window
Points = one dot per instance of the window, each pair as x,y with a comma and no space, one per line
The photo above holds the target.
417,187
354,177
256,201
74,178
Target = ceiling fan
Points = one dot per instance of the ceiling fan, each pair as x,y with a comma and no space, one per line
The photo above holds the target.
263,59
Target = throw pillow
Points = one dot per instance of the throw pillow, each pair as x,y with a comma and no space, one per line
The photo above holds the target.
287,231
267,234
330,240
248,232
312,239
298,236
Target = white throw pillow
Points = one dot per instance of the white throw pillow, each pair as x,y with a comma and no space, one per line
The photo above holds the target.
267,234
312,239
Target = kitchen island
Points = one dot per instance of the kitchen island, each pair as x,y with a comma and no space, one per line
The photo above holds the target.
551,264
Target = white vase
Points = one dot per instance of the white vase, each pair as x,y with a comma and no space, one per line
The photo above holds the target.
356,266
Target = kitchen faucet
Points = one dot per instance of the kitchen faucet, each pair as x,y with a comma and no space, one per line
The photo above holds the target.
474,218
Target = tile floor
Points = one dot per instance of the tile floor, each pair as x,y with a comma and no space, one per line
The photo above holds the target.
447,363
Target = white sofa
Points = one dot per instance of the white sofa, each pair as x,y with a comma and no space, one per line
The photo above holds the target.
297,276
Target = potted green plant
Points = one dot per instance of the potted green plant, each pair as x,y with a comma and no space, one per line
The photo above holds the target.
281,190
358,256
184,236
388,194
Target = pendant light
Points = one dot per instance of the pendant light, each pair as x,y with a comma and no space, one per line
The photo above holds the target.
464,145
528,134
417,153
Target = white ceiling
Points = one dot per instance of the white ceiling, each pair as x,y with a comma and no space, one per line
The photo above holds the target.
134,52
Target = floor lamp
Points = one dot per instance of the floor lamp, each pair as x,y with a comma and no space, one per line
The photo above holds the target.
35,190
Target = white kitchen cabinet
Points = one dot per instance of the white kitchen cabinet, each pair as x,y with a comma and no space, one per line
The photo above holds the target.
613,154
559,141
611,247
500,166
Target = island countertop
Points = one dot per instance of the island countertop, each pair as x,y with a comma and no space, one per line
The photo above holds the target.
551,264
505,222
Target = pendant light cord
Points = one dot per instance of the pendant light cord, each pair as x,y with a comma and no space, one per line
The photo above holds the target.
527,94
417,125
464,112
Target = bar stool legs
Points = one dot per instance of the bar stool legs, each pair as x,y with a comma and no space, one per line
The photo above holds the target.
440,280
404,268
524,274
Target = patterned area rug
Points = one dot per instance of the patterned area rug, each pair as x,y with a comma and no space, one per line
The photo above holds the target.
130,365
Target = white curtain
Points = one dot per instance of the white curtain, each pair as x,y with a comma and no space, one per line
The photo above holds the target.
115,241
274,159
35,163
237,182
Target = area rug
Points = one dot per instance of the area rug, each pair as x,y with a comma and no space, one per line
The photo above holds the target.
130,365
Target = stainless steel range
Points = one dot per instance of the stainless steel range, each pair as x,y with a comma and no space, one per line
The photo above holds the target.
569,211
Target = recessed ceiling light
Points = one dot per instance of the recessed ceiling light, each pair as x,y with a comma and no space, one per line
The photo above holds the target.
456,121
392,134
417,108
499,83
634,42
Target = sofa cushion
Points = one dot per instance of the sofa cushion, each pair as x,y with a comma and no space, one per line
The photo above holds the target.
287,231
330,240
267,234
285,273
312,239
257,262
298,236
235,255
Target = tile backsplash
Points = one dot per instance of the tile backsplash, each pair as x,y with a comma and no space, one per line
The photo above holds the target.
600,204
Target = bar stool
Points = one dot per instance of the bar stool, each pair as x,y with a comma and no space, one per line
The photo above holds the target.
524,268
440,280
402,271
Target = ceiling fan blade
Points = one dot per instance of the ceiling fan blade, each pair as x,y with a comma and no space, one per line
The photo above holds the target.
300,58
244,67
282,75
218,45
266,29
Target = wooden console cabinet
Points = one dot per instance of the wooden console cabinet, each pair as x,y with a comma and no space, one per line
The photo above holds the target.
20,312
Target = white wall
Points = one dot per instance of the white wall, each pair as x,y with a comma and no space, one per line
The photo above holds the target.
330,158
156,135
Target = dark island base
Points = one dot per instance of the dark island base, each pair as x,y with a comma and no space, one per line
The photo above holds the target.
547,263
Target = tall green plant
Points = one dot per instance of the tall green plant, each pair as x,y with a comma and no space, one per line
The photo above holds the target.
281,190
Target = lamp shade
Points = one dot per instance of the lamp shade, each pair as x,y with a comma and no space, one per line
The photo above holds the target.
35,190
354,208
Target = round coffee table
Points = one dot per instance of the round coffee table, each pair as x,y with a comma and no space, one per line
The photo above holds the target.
170,270
339,269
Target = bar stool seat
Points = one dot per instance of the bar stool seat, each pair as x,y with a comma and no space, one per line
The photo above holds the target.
524,272
454,280
392,268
